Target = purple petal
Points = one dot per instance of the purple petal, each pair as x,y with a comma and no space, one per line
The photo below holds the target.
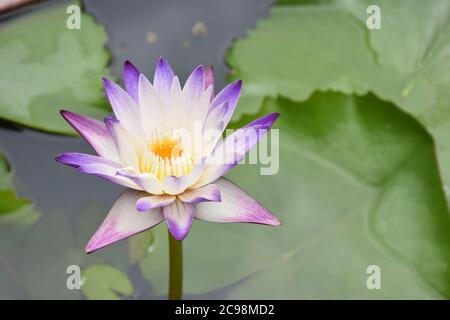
94,132
236,206
194,86
179,217
124,107
97,166
265,121
163,77
77,160
228,153
124,221
209,78
219,118
228,94
131,79
125,144
152,202
208,193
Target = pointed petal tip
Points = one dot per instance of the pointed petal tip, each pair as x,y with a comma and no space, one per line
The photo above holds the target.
93,246
68,115
266,121
64,113
274,221
89,248
200,67
108,84
272,117
67,159
59,157
128,66
163,61
128,63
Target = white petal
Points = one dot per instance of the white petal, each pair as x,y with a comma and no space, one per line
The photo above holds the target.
124,107
97,166
175,185
95,133
206,193
236,206
124,221
146,181
126,143
229,152
150,202
150,105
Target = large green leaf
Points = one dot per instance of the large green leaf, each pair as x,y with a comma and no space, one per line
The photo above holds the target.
412,49
46,67
9,200
358,185
405,62
104,282
267,68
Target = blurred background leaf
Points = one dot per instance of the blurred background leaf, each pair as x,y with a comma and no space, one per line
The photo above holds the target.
9,200
104,282
405,62
47,67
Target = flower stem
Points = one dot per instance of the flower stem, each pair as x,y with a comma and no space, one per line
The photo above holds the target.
175,268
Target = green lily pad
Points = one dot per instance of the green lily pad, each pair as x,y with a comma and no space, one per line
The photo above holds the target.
46,67
9,200
357,186
268,69
104,282
330,48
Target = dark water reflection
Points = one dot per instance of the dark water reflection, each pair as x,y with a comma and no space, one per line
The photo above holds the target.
72,204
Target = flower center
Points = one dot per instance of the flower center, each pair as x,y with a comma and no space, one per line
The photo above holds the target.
164,155
167,148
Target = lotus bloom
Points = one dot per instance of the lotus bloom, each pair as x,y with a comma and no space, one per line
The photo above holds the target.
169,176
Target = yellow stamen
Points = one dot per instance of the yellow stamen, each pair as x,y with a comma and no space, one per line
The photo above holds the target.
167,148
164,155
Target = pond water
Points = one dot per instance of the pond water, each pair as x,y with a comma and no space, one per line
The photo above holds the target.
187,33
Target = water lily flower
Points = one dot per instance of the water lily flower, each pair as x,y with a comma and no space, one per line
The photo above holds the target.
169,176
